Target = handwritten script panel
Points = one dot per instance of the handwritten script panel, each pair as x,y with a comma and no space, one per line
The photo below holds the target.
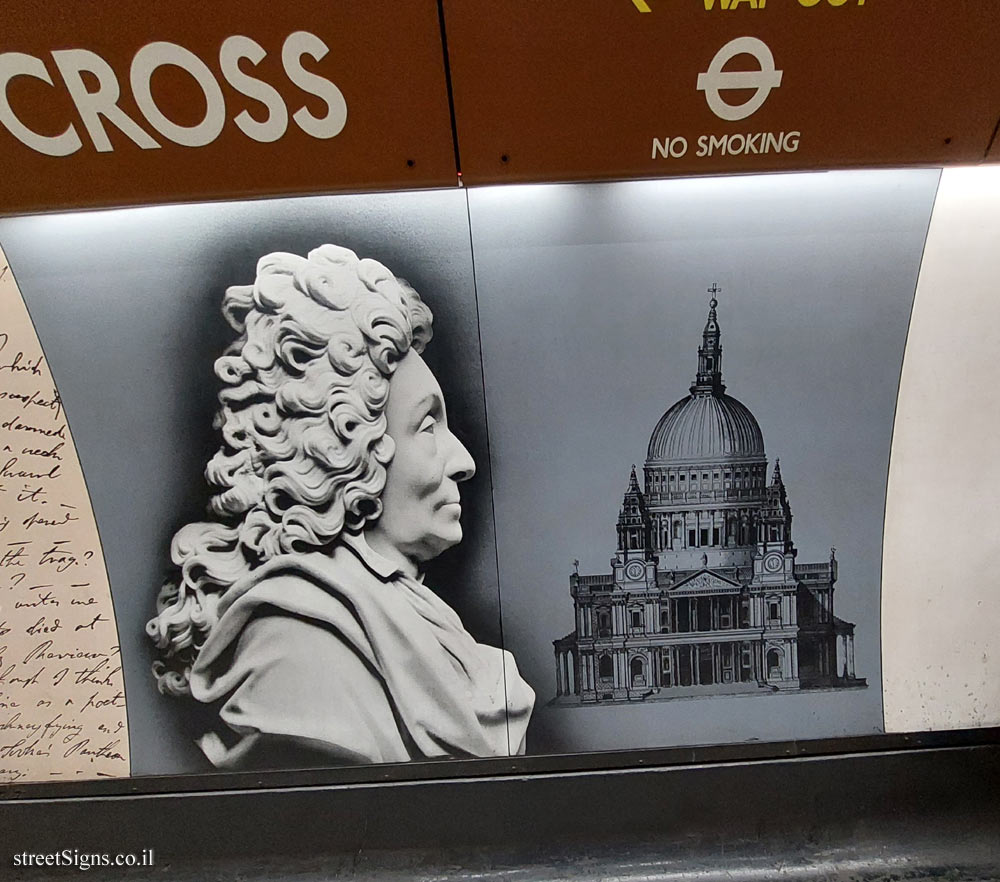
62,694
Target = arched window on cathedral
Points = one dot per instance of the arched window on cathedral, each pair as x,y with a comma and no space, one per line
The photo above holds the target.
774,664
637,668
605,667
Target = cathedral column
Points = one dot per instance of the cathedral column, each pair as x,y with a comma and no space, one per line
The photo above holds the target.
850,656
559,685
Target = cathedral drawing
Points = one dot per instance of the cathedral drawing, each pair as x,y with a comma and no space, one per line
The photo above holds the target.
705,594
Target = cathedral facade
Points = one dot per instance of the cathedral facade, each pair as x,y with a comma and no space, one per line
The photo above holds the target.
705,593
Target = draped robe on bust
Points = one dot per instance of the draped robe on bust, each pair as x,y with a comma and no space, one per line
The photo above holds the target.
321,659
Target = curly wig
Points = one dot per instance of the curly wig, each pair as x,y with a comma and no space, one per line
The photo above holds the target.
301,413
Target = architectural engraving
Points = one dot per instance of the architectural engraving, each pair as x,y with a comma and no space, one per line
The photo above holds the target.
705,594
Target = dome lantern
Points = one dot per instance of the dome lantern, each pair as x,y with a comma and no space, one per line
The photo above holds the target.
708,380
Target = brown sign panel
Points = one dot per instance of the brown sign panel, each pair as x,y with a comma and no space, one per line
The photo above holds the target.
625,88
184,101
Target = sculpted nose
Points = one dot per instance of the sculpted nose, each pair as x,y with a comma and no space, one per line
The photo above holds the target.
461,465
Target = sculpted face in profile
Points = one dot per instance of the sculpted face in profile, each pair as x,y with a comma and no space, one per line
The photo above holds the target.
421,504
298,609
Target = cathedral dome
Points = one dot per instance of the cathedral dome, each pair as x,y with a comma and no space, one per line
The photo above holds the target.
706,427
708,424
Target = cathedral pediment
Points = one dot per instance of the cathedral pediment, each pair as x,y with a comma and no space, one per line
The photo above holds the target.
706,582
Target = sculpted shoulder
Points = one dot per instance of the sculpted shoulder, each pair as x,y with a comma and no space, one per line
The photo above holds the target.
292,673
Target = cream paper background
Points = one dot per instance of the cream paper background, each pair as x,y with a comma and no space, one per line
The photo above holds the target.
62,694
941,564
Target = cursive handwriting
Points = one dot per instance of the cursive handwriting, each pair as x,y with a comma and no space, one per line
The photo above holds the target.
13,556
35,519
89,626
62,698
35,398
16,424
10,470
83,748
60,556
30,367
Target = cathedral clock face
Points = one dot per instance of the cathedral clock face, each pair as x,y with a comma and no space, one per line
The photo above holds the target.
773,563
635,570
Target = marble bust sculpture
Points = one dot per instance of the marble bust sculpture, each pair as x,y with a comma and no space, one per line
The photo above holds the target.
298,608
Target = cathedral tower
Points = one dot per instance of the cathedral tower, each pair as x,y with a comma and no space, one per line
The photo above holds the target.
774,606
634,561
